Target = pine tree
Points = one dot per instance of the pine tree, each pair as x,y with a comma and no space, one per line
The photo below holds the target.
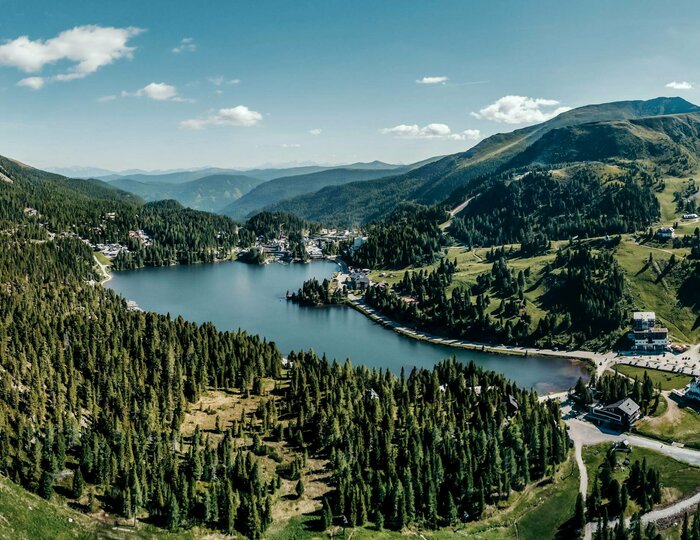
78,484
46,485
299,488
172,513
326,515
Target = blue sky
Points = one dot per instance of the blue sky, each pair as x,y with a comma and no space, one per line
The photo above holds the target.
113,84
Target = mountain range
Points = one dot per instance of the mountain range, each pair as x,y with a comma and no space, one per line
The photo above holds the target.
663,129
278,189
215,189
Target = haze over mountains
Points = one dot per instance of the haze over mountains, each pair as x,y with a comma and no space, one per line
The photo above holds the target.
215,189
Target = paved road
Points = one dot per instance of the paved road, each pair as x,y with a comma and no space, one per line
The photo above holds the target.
589,434
584,433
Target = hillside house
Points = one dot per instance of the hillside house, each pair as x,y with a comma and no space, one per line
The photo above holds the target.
622,413
666,233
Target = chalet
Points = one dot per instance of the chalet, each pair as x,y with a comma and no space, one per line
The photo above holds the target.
622,413
646,335
666,232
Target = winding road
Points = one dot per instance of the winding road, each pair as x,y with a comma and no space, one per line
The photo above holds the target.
584,434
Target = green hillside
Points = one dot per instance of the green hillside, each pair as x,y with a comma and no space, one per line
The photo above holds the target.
25,516
361,202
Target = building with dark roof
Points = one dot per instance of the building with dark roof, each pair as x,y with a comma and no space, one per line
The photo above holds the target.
622,413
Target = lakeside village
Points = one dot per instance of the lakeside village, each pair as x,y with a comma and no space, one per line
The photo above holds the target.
324,244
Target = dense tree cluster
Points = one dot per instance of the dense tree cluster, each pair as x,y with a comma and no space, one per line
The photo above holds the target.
431,448
540,207
272,225
410,236
422,299
315,293
586,293
642,485
585,298
93,387
180,236
610,388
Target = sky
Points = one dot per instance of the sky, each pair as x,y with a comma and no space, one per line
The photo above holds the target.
246,83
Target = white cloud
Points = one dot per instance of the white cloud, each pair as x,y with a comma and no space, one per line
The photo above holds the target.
291,145
432,80
680,85
155,91
105,99
186,45
520,110
158,91
315,132
88,47
431,131
240,116
219,80
32,82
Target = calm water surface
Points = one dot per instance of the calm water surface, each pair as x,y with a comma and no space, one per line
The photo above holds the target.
235,295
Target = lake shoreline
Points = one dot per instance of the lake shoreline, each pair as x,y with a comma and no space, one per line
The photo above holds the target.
253,297
586,357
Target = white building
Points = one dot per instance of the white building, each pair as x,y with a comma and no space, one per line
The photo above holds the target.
643,320
690,216
648,337
692,391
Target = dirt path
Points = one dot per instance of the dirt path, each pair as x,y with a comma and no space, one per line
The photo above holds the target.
104,270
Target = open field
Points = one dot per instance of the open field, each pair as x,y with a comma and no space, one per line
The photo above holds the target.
680,423
667,380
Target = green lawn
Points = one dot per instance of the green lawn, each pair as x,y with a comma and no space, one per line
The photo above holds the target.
678,480
680,425
667,380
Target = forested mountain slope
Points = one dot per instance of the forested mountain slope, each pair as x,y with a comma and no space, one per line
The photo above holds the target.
209,193
360,202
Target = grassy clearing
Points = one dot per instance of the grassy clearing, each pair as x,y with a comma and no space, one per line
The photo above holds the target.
667,380
235,406
650,292
680,423
103,260
24,515
678,480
